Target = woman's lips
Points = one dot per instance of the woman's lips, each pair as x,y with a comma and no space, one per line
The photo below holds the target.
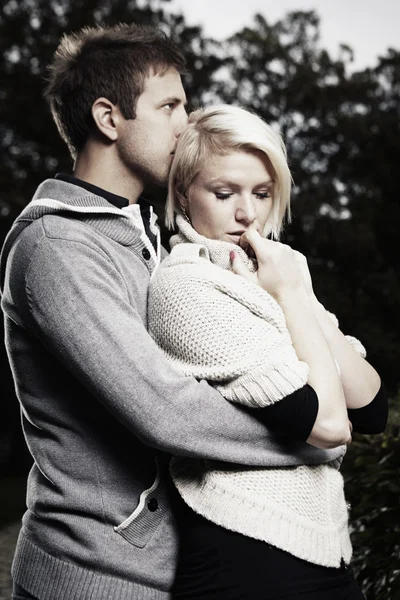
235,237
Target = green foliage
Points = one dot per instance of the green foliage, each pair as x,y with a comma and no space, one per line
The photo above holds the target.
371,469
30,31
341,131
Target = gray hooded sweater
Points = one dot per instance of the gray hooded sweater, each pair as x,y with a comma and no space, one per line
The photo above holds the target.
101,406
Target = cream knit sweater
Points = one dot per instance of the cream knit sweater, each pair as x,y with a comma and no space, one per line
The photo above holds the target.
220,327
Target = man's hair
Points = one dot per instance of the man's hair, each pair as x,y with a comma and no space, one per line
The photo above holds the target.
109,62
218,131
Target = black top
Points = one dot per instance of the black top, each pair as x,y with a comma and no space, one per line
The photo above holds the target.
295,414
217,564
373,417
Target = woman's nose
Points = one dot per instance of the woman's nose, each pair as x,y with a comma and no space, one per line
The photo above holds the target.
245,211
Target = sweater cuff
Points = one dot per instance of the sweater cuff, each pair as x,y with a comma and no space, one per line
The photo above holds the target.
293,416
356,345
333,318
259,388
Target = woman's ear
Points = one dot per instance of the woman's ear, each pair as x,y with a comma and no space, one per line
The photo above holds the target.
106,115
181,197
183,205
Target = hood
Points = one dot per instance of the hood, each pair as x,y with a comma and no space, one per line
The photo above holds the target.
57,197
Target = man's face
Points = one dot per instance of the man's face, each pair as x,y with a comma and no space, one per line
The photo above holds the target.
147,143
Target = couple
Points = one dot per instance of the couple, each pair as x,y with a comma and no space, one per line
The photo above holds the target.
246,381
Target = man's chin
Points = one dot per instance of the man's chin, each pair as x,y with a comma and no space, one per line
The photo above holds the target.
155,183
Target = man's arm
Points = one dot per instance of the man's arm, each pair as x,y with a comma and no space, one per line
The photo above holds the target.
76,302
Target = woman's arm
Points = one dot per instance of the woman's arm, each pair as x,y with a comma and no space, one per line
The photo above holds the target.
366,397
331,426
360,381
280,274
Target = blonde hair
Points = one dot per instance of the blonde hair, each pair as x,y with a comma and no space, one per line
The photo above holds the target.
218,131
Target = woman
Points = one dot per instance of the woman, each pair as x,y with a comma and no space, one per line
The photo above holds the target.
237,309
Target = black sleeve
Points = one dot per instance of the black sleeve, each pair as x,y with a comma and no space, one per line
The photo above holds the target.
373,417
293,416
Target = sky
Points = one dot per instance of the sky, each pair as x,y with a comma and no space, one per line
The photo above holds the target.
369,27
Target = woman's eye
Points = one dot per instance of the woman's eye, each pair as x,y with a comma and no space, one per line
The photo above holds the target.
222,195
263,195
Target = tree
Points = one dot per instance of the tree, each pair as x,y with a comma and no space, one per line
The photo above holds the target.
373,488
340,131
30,32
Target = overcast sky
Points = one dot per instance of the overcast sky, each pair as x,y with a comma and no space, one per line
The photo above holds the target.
369,27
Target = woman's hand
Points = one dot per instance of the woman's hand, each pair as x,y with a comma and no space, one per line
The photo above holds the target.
280,269
303,264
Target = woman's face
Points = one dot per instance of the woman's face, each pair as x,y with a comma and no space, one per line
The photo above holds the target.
230,195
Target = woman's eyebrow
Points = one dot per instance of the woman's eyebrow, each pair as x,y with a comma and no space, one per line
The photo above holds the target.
219,180
228,181
266,183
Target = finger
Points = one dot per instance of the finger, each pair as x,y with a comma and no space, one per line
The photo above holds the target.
260,245
244,244
239,267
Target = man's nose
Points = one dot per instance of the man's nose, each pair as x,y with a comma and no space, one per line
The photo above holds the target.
183,120
246,211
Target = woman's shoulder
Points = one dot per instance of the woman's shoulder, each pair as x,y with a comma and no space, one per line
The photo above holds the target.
184,278
189,273
186,253
189,262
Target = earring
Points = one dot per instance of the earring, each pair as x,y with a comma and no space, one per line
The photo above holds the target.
185,215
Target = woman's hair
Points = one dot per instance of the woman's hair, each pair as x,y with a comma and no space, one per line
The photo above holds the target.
110,62
218,131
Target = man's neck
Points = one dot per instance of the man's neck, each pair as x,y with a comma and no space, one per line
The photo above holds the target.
100,168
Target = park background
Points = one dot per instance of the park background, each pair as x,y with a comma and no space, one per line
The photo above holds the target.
339,114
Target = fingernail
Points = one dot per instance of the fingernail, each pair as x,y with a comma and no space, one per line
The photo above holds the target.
232,255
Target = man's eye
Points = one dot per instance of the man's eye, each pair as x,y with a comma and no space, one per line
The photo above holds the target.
223,195
169,106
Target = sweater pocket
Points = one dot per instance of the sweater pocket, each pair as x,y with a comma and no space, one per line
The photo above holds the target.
142,524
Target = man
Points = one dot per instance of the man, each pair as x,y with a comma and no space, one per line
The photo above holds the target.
101,406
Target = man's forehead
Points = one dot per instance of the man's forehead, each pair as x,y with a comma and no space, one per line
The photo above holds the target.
166,83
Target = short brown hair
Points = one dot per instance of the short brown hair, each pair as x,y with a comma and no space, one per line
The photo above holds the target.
110,62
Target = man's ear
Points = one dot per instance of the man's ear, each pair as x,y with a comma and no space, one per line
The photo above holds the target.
105,114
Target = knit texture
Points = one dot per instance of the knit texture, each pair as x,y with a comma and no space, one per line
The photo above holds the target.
301,510
218,326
